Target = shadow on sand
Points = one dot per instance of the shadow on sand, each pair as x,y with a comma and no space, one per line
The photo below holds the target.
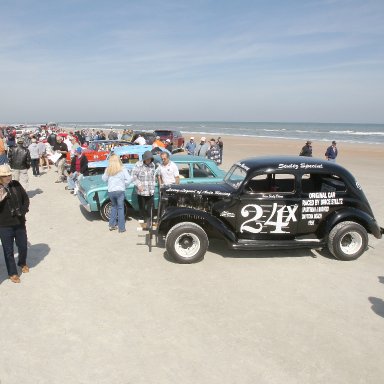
219,248
36,254
377,304
35,192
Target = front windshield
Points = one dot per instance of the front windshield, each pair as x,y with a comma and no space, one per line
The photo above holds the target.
235,176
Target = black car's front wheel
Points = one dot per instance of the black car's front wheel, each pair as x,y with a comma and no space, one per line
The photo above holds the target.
347,240
186,242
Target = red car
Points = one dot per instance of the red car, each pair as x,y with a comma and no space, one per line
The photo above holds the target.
98,150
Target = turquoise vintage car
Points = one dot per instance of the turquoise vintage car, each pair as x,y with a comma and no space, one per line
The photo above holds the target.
93,192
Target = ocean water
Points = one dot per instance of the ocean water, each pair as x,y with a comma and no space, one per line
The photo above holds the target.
345,132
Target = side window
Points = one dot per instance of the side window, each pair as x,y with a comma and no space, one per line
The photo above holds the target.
270,183
183,170
322,183
201,170
129,158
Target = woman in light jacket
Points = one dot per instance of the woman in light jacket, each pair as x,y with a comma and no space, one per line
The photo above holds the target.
118,179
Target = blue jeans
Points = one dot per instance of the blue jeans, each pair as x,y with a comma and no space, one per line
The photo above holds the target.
73,179
117,211
8,235
3,159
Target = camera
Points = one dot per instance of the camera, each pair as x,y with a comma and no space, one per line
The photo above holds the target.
16,212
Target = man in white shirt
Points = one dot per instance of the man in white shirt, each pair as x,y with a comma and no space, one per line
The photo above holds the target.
140,140
167,172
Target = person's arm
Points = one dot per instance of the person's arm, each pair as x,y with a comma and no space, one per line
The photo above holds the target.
105,176
127,177
83,164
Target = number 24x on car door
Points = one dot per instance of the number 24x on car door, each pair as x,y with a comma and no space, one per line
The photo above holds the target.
268,208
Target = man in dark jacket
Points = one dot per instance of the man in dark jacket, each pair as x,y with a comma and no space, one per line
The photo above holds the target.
307,149
14,204
331,152
20,161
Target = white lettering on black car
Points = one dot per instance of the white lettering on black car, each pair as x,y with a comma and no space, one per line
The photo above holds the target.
278,218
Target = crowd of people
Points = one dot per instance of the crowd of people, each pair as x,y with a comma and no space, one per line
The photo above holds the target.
213,149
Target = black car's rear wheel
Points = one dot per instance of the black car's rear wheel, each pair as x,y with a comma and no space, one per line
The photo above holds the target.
186,242
347,240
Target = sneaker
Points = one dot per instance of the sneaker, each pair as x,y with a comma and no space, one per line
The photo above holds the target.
122,231
58,181
113,228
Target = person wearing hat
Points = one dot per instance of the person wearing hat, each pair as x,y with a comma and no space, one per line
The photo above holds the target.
118,179
168,145
143,177
158,143
307,149
14,204
191,146
331,152
20,161
202,148
79,168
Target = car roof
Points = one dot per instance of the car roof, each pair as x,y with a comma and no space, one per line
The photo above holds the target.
131,149
294,163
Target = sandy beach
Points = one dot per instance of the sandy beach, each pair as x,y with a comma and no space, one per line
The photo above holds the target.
97,307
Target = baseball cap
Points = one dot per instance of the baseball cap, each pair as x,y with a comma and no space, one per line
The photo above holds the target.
203,139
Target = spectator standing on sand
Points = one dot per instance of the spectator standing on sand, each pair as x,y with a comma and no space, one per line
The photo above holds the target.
202,148
213,152
79,168
307,149
331,152
11,139
190,146
20,161
118,179
35,157
14,204
60,147
221,147
167,172
143,176
44,162
3,152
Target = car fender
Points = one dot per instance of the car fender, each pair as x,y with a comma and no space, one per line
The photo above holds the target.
351,214
198,217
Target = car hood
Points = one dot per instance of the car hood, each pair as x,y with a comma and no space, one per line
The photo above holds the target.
91,182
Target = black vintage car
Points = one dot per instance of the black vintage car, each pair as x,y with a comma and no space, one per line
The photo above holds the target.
269,203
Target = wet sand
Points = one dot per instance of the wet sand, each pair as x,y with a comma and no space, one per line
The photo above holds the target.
97,307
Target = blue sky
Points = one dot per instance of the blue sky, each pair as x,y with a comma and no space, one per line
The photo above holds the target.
195,60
